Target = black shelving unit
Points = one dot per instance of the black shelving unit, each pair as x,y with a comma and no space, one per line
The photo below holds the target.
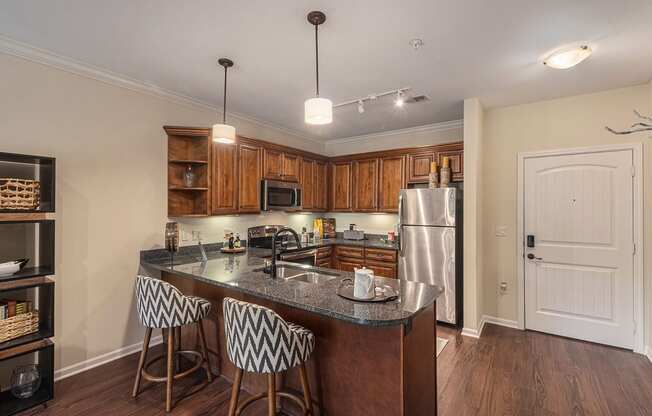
40,224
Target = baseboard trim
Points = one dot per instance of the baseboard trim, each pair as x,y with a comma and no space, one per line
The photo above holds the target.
500,321
648,352
473,333
80,367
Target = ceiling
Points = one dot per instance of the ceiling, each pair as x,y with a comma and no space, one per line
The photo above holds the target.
487,49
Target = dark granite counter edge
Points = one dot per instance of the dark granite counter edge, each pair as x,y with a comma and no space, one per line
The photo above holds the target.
320,311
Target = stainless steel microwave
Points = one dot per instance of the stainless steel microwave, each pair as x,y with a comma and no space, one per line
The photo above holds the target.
280,196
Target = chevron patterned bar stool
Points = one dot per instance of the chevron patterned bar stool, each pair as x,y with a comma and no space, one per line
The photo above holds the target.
161,305
260,341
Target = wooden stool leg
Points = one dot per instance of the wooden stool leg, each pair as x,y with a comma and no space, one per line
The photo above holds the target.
271,394
235,392
141,362
204,350
168,390
306,389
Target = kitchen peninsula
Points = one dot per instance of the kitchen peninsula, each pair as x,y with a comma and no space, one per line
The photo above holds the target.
369,358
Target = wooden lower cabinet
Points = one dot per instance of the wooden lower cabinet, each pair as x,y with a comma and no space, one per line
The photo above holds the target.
382,261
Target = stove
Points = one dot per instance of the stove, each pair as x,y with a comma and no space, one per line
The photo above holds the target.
287,249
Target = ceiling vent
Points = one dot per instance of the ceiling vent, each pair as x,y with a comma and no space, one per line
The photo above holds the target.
417,99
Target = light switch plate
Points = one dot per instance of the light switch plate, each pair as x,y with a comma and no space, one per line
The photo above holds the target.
501,231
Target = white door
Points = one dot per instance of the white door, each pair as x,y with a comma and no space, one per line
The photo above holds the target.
579,280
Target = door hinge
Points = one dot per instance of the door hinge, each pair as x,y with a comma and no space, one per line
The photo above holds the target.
634,249
633,171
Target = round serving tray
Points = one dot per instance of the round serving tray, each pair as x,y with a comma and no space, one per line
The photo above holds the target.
387,295
233,250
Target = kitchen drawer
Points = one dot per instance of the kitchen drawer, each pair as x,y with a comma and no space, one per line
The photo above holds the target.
379,254
382,269
349,265
349,251
323,252
325,263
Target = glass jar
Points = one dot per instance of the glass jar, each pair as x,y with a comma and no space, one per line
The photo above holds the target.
25,381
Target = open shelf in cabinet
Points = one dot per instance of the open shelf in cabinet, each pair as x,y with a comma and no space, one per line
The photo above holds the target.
44,304
33,239
43,355
39,168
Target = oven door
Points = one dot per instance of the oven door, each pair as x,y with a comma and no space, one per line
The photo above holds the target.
282,196
302,257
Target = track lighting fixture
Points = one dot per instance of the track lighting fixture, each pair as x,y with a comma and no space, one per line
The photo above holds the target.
360,106
360,102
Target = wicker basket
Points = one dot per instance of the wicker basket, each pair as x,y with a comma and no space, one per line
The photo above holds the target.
19,194
19,325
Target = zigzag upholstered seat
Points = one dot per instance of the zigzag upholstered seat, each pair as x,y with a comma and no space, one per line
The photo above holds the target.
258,340
161,305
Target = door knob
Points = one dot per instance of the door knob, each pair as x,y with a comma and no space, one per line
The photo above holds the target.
533,257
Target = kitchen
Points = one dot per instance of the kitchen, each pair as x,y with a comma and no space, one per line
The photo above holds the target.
218,206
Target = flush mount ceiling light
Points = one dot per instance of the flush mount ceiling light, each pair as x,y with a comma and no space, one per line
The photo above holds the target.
400,98
224,133
318,110
568,57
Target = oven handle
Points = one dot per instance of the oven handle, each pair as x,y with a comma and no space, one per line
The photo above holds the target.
301,255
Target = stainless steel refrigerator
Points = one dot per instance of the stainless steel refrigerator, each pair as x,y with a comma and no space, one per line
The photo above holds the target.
430,245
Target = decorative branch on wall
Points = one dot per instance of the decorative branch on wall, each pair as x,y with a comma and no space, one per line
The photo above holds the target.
636,127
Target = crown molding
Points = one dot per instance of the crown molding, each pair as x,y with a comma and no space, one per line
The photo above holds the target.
32,53
427,128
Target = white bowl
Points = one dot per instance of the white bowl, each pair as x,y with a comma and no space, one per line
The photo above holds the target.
11,267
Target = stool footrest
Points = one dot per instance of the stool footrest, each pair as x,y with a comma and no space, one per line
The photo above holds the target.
149,377
285,394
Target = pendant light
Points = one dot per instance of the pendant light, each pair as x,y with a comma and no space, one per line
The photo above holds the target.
318,110
224,133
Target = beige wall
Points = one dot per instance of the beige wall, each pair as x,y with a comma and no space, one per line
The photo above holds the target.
111,190
562,123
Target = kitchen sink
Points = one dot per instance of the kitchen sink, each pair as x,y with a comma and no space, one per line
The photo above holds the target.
302,274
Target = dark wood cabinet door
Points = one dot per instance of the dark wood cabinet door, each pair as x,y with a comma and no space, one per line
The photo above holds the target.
365,185
349,265
224,193
341,186
320,181
391,180
291,167
382,269
250,175
418,166
456,160
308,183
272,164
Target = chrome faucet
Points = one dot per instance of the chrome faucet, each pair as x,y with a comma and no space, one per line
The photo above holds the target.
272,270
204,257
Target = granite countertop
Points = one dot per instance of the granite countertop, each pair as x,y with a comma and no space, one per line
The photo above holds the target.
241,272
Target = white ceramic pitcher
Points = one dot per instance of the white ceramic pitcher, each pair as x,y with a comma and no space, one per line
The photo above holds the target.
363,284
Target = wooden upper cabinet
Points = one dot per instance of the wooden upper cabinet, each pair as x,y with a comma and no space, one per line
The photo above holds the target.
320,186
281,166
418,166
341,186
391,180
365,185
291,167
456,160
249,177
272,164
308,183
224,193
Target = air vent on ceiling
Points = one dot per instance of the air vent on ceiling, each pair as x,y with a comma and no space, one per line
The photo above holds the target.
417,99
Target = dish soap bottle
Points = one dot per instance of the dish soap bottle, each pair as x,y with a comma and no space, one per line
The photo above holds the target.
237,243
304,236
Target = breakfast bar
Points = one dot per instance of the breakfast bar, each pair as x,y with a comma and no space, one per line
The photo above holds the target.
369,358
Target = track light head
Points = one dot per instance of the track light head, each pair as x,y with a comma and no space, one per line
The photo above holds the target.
360,106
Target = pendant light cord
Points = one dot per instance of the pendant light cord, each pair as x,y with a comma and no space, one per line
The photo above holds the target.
224,105
317,57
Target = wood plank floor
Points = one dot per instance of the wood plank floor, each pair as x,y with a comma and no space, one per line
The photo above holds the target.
506,372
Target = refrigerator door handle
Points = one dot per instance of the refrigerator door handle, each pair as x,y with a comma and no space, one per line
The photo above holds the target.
400,213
